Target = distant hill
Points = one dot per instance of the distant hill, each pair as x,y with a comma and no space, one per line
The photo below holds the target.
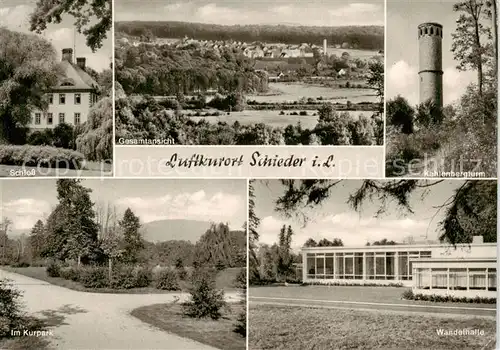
166,230
358,37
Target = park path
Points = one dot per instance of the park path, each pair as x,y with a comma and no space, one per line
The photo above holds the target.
99,320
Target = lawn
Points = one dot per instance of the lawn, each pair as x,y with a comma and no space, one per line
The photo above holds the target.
285,327
224,280
218,334
392,295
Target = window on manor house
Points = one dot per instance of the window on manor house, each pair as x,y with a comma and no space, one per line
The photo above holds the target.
77,118
78,99
61,118
51,98
38,118
62,99
50,118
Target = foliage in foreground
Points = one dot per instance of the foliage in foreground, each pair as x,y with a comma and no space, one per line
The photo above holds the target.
46,156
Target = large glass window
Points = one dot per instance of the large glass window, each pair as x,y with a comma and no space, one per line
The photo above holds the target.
329,265
477,278
403,265
492,279
349,266
370,266
458,279
339,265
358,266
411,255
380,266
389,265
320,265
439,278
311,265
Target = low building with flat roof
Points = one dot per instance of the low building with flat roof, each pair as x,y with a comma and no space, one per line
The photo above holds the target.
464,270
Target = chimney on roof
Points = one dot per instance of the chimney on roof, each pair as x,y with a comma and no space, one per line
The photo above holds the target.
80,61
67,55
477,240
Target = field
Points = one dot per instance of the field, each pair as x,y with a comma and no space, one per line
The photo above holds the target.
218,334
224,280
272,118
286,327
289,92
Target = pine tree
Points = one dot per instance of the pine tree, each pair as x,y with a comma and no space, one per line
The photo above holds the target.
133,243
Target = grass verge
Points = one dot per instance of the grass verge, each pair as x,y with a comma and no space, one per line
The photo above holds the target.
285,327
219,334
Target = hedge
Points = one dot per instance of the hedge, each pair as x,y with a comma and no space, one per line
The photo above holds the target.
43,156
409,295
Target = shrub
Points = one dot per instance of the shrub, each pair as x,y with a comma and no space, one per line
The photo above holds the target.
64,136
10,307
241,324
20,264
181,273
241,279
45,156
448,298
39,138
53,269
143,277
206,301
70,273
408,295
94,277
124,277
167,280
303,113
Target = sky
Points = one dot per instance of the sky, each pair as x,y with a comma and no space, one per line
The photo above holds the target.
25,201
403,18
230,12
336,219
14,15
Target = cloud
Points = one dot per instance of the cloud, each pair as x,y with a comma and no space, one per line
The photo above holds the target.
16,18
220,207
25,212
402,79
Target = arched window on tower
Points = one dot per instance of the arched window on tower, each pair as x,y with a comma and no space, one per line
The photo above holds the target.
425,31
432,31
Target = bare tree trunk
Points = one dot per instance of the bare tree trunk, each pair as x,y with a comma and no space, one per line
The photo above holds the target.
110,268
79,260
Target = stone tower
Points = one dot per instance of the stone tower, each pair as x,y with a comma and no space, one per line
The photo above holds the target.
430,37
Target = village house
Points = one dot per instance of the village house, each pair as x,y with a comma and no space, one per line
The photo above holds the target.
71,99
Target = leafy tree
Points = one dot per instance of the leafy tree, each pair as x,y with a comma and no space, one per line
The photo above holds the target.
64,136
96,140
376,80
28,67
78,216
428,114
467,46
133,243
93,18
310,243
384,241
336,242
113,245
221,247
400,114
284,259
37,239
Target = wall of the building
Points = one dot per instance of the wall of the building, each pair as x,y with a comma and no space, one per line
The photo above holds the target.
431,66
413,253
69,109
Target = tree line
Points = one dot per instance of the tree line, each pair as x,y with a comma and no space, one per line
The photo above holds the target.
360,37
166,70
86,233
